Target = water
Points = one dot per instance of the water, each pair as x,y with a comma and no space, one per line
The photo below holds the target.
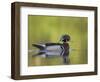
45,60
36,59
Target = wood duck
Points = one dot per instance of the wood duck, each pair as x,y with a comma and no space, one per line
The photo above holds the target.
50,49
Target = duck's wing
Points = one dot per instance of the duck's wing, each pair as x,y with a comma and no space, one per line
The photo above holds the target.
39,46
53,44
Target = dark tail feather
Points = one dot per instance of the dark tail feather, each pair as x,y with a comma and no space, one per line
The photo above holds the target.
41,47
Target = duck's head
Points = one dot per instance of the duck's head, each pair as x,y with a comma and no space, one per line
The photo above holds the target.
65,38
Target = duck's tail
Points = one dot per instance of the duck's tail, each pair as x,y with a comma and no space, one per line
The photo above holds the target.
39,46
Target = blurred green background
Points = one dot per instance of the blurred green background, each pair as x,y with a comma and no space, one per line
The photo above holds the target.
44,29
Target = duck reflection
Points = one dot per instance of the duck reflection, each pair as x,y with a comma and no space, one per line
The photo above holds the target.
55,49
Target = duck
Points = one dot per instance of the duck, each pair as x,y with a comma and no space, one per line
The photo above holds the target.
58,49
